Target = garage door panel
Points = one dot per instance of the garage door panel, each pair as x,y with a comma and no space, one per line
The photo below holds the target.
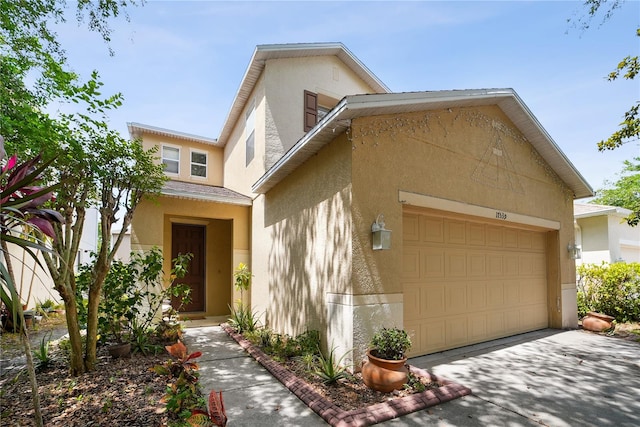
495,294
532,291
510,238
495,265
476,265
456,264
432,229
411,228
477,326
456,331
524,240
412,303
476,234
433,263
511,264
432,299
495,324
511,292
456,298
410,263
475,281
512,321
533,317
477,296
494,236
454,232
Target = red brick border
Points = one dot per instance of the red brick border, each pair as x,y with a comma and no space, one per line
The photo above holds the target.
370,415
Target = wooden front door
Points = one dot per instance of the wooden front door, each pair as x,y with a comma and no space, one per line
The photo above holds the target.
185,239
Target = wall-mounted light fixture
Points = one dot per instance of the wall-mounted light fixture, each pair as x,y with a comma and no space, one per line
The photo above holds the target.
575,251
381,236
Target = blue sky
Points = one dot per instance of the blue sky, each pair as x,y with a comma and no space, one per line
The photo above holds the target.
179,64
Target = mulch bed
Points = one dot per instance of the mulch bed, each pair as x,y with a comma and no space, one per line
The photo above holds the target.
365,416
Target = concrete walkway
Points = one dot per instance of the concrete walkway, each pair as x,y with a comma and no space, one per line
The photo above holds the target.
549,377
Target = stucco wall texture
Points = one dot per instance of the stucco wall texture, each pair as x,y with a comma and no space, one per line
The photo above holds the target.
321,268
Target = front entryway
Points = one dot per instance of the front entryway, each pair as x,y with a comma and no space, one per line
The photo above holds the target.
186,238
467,281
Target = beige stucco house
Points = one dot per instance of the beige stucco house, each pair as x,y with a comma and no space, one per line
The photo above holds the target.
315,149
604,236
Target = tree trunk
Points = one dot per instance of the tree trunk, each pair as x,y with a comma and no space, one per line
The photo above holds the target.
101,269
76,362
92,328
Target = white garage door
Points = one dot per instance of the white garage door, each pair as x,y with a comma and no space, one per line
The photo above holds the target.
468,281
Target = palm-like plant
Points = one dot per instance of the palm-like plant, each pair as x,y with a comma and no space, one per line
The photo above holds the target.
20,215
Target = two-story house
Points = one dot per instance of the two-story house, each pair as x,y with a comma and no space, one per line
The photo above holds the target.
446,213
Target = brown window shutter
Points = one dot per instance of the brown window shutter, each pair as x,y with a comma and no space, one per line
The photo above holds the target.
310,110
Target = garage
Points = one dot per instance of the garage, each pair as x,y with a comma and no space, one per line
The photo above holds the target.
467,280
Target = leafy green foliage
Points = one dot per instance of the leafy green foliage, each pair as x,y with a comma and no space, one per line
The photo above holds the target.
612,289
183,394
329,369
42,353
390,343
625,192
133,294
242,277
243,319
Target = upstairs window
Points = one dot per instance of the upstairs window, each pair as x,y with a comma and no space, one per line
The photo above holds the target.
199,164
171,159
249,131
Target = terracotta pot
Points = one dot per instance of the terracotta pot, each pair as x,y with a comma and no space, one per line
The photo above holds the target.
597,322
119,350
384,375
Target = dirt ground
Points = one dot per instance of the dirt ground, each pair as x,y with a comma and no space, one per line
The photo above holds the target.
118,392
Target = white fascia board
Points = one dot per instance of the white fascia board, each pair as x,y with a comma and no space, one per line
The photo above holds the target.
208,198
136,128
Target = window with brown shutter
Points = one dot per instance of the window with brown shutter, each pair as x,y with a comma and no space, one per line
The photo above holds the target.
310,110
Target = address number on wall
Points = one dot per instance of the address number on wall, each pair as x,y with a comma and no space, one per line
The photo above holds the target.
501,215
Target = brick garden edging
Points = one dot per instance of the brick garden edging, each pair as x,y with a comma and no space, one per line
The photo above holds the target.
370,415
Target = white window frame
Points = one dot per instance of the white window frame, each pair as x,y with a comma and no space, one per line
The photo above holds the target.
163,158
192,163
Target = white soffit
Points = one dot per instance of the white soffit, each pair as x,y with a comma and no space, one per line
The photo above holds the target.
263,53
136,130
338,120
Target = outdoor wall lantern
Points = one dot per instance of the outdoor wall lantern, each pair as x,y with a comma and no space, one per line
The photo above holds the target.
575,251
381,236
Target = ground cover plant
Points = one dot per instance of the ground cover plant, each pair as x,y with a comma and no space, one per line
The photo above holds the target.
302,356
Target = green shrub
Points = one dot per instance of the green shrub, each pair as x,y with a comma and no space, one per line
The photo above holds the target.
390,343
613,289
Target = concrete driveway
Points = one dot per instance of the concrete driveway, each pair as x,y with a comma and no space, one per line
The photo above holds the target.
549,377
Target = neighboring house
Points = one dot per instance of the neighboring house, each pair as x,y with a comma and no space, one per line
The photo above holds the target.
315,149
604,235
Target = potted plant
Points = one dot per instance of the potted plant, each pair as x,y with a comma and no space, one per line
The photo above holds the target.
386,369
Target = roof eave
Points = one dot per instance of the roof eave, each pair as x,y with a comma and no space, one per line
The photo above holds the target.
207,198
137,129
363,105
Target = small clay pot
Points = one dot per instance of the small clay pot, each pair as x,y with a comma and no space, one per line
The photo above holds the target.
597,322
